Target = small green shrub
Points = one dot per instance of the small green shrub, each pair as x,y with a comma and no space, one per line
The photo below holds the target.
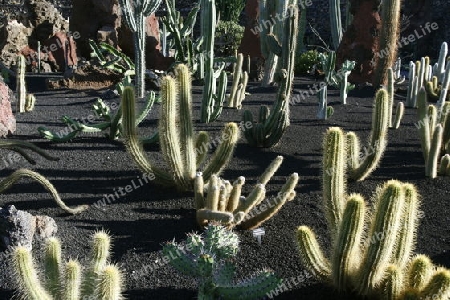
228,38
230,10
305,62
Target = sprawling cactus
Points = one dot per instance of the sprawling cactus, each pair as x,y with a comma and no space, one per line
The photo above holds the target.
240,80
223,202
182,150
110,121
390,30
271,126
390,239
20,146
21,173
103,281
21,89
111,58
134,13
209,258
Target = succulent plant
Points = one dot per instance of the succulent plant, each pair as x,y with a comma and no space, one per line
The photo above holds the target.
325,111
176,133
224,204
21,89
394,123
271,125
103,281
209,259
240,80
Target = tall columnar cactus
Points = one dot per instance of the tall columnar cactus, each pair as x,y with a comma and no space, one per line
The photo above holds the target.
213,95
411,94
240,80
325,111
183,151
209,258
390,30
135,12
272,124
391,227
400,111
336,22
441,65
360,169
223,202
25,173
444,88
21,89
65,281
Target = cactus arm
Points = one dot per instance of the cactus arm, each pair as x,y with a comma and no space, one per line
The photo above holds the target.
110,284
411,76
15,145
52,266
333,176
50,135
237,75
444,89
235,194
270,170
26,275
16,175
204,215
150,100
388,208
253,199
353,150
424,130
72,281
442,61
390,90
433,156
287,193
345,258
438,287
311,254
336,21
378,137
255,287
400,112
419,272
392,283
224,152
181,262
201,147
322,96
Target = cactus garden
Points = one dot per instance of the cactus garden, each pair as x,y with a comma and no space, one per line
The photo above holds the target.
211,149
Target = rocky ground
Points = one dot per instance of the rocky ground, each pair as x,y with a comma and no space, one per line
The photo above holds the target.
91,166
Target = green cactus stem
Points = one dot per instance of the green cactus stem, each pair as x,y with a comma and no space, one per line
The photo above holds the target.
20,146
336,22
441,66
135,13
392,284
21,89
7,182
72,281
52,266
30,101
240,81
399,113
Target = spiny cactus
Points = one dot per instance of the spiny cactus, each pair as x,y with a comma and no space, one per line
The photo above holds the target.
111,58
209,259
21,173
30,101
272,124
135,13
336,21
325,111
182,150
65,281
441,64
360,169
224,204
394,123
21,89
213,94
109,121
240,80
390,30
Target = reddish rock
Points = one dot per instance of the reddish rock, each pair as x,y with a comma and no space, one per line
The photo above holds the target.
61,51
7,119
251,43
360,40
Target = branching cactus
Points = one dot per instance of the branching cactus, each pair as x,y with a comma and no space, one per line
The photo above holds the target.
213,94
209,258
183,151
272,124
135,12
224,204
361,164
60,281
21,89
390,30
240,80
110,121
391,227
25,173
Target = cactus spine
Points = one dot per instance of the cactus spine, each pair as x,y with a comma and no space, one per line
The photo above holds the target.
224,203
176,108
213,96
65,283
390,16
272,124
21,89
135,12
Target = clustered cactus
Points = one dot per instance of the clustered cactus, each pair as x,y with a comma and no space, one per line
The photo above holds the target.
272,124
183,151
110,121
209,258
240,80
224,204
101,280
372,270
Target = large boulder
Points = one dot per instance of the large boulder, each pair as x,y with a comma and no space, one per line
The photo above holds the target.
15,37
7,119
